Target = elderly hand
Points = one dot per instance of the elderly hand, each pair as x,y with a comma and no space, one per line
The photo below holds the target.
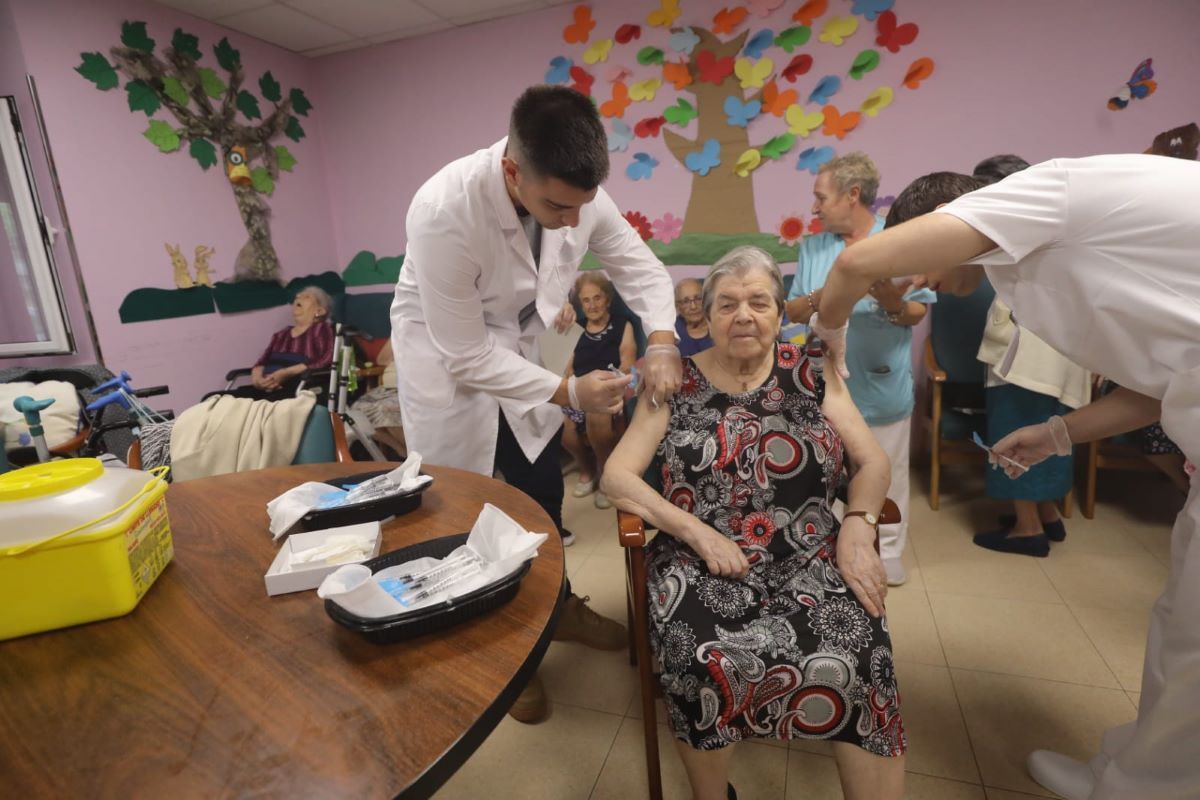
888,293
721,555
860,565
1032,445
565,318
662,372
598,392
834,340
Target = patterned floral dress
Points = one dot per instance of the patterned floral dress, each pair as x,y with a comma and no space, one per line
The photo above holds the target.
788,652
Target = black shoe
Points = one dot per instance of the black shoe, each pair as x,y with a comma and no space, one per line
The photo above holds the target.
1000,541
731,793
1055,531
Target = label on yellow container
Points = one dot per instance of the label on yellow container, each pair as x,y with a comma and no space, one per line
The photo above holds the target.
148,543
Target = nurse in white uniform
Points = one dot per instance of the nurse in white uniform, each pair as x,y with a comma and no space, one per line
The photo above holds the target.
1100,258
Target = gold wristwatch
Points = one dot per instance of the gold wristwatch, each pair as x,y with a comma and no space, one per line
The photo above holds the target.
871,519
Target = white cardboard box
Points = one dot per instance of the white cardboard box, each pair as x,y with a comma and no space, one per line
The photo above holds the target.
298,580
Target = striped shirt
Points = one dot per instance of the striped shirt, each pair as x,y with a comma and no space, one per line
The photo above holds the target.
315,345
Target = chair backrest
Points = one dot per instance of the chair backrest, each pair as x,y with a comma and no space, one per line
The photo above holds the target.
956,330
369,312
316,443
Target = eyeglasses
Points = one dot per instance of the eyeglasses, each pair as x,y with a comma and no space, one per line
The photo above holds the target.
689,301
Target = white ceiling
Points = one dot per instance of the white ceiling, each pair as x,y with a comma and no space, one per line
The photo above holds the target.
319,27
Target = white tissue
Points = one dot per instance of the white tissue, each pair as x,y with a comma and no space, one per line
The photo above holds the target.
339,548
287,509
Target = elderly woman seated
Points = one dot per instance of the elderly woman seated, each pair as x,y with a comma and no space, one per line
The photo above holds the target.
306,344
766,614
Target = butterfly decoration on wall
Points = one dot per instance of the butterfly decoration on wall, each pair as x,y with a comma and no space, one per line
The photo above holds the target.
642,167
620,137
1139,86
704,160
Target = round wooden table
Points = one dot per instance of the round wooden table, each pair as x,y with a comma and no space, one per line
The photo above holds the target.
210,688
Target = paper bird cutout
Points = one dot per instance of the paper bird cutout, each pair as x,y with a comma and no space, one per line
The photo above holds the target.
681,113
810,11
619,102
747,162
792,38
826,88
712,69
838,30
642,167
918,71
778,146
812,159
802,123
877,100
683,41
864,62
618,74
776,102
838,124
704,160
870,9
582,81
649,55
1137,87
560,70
620,137
668,12
754,46
763,8
645,90
648,127
753,73
893,36
579,30
627,33
597,52
739,112
677,74
725,20
799,65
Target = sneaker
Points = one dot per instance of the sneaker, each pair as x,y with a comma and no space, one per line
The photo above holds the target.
1000,541
896,576
531,706
1060,774
601,500
579,623
1055,531
568,538
584,488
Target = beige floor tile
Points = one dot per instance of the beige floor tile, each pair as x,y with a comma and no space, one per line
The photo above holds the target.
915,582
1129,581
953,563
569,751
756,772
602,578
815,777
1038,640
580,676
914,634
938,744
1104,534
1120,636
924,787
1004,794
1135,698
1157,541
1009,716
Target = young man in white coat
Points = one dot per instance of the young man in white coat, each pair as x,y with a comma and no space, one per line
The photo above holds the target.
495,240
1098,257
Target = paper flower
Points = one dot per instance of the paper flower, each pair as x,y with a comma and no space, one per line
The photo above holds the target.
791,230
882,205
640,224
815,226
667,228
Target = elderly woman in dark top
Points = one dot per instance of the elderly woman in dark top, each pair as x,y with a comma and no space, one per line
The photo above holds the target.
306,344
766,612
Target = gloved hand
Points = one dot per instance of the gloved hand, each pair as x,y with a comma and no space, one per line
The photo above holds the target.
1033,445
662,372
834,341
598,392
565,318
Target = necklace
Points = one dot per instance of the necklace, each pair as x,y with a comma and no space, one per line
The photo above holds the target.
746,380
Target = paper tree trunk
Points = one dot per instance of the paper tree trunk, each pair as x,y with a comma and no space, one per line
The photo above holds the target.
257,261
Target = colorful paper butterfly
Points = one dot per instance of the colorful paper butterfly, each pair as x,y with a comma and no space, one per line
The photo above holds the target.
578,31
871,9
627,33
893,36
712,69
740,113
753,73
678,75
838,30
620,137
598,51
645,90
798,66
801,123
583,81
763,8
810,11
667,13
560,70
747,162
702,161
826,88
648,127
619,102
776,102
683,41
1139,86
642,167
725,20
758,42
812,159
681,113
877,100
838,124
792,38
918,71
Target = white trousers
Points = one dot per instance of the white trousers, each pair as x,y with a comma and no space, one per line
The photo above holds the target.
894,439
1158,756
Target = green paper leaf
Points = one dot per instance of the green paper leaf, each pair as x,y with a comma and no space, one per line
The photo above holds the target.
681,113
792,38
285,158
203,151
142,98
270,87
300,103
186,44
173,89
293,129
649,55
261,180
778,145
227,57
864,62
162,136
211,83
133,34
96,69
248,105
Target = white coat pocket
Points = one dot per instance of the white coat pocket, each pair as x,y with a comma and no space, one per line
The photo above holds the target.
421,376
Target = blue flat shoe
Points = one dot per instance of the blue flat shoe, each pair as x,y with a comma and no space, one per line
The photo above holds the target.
1000,541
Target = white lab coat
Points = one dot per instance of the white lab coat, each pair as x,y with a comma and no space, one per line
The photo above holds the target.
468,271
1100,257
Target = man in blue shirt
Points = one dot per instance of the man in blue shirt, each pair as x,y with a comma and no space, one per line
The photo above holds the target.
879,344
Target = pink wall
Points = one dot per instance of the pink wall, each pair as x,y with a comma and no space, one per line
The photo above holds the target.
125,199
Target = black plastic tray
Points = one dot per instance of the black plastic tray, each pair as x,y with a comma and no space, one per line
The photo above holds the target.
383,630
370,511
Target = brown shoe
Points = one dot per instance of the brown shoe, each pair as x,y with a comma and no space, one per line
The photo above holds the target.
579,623
531,706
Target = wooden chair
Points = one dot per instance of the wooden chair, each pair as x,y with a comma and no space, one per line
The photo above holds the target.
631,534
1109,454
949,429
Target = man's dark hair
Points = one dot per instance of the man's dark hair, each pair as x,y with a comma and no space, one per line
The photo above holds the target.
927,193
555,132
998,168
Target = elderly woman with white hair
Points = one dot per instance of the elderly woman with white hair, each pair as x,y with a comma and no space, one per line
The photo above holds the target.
305,344
766,613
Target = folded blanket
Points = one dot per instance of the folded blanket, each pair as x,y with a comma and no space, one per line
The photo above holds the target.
232,434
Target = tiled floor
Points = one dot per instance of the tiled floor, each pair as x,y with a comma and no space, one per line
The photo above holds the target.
997,655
